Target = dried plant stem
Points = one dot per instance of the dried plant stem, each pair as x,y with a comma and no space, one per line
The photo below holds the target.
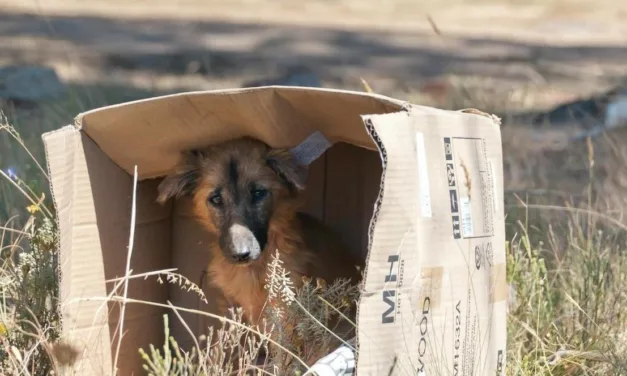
322,325
337,311
32,201
4,125
15,231
194,311
189,330
141,275
131,241
573,210
587,355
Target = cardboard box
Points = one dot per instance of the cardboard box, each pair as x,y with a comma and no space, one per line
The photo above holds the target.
417,190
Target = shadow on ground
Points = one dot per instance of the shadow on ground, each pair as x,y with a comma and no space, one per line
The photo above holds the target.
221,49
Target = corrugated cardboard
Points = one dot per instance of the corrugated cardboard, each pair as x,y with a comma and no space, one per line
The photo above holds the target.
429,219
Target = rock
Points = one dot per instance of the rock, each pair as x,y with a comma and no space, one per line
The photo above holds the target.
29,83
586,117
586,113
616,111
614,116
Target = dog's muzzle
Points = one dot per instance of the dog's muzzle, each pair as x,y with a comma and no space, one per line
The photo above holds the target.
244,245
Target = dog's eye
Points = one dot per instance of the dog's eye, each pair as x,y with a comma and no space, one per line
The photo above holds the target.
215,199
259,194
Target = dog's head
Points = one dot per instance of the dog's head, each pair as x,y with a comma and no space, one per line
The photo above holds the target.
237,187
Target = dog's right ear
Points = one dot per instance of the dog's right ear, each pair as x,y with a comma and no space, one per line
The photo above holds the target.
183,180
283,164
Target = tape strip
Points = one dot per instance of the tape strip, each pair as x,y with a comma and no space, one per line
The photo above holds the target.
495,119
499,290
430,287
310,149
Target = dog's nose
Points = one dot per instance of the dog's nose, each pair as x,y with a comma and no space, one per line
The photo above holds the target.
244,246
241,257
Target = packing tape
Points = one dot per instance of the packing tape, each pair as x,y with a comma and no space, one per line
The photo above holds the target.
310,149
474,111
499,290
431,287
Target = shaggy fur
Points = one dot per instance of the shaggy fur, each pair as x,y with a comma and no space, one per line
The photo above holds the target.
225,181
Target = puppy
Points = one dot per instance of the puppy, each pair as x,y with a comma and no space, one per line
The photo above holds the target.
249,196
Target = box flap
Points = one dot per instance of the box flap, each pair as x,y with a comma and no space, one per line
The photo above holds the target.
152,132
92,197
434,299
80,259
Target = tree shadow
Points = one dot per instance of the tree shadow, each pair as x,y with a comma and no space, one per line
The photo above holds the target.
227,49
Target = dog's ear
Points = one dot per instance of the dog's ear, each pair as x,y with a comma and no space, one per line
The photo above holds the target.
183,180
282,163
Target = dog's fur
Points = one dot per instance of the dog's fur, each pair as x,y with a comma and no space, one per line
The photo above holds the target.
249,196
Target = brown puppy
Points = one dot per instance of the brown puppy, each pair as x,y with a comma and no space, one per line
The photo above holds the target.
248,195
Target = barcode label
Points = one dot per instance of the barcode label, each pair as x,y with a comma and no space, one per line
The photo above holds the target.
466,217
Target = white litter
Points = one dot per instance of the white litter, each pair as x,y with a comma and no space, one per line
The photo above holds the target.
340,362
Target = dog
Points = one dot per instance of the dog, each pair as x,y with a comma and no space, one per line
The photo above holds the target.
249,196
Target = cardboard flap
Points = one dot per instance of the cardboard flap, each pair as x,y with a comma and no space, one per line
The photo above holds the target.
151,133
434,294
80,260
93,204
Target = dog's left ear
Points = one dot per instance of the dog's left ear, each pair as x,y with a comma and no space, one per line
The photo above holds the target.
183,180
283,164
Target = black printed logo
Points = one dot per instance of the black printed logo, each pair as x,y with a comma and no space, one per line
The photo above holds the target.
456,232
452,183
388,298
499,362
448,149
489,254
454,202
478,257
450,174
389,295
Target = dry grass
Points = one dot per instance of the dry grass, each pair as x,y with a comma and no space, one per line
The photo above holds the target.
567,264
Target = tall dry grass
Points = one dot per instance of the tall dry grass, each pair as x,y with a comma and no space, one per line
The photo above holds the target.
567,266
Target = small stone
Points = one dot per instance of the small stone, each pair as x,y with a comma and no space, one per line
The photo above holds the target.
616,112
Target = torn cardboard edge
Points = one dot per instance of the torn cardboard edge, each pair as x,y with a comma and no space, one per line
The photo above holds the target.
53,197
370,129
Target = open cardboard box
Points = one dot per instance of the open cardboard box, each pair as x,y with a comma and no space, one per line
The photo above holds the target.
416,190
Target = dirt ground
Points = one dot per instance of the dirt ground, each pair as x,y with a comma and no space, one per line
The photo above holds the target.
558,47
